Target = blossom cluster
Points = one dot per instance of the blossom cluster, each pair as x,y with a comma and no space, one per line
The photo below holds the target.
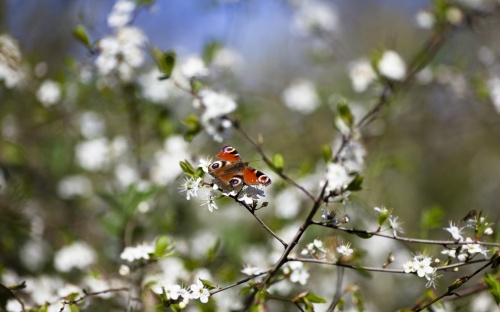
174,292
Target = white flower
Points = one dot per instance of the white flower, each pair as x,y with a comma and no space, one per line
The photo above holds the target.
298,274
422,265
227,59
455,232
425,19
361,74
171,291
251,270
345,250
204,163
488,231
91,125
352,156
289,203
165,168
216,104
315,16
194,67
122,53
154,89
432,279
472,248
49,93
141,251
250,194
14,306
336,177
392,66
77,255
301,96
395,225
209,201
198,291
93,155
121,14
190,186
73,186
409,266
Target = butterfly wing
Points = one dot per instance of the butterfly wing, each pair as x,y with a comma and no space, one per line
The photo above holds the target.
229,153
253,176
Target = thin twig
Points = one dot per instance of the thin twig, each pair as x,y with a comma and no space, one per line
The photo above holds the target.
403,239
213,292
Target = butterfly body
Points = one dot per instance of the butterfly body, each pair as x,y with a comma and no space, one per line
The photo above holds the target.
231,172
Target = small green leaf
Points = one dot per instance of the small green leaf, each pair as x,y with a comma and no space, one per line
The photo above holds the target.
210,50
194,126
278,161
364,235
382,217
165,62
344,113
80,33
246,290
327,153
187,168
314,298
356,184
208,284
163,247
494,286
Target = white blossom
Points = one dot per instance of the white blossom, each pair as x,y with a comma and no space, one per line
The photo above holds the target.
91,125
315,16
455,232
194,67
141,251
301,96
73,186
154,89
121,14
298,274
362,74
77,255
12,68
337,178
93,155
198,291
49,93
392,66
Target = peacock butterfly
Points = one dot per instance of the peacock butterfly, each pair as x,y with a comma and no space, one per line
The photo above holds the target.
231,172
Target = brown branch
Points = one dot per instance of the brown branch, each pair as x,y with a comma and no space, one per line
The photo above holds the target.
91,294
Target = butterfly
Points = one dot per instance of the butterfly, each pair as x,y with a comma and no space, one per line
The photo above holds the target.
231,172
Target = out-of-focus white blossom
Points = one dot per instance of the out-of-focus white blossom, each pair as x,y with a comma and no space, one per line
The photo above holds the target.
141,251
12,70
93,155
337,178
194,67
392,66
154,89
121,14
78,255
216,106
425,19
34,254
121,54
301,96
91,125
73,186
288,203
166,167
361,74
454,15
314,16
49,93
297,272
226,58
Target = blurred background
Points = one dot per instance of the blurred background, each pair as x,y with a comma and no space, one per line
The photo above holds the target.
96,160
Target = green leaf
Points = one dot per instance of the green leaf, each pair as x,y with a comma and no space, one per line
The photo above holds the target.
208,284
493,286
431,218
327,153
194,126
314,298
210,50
246,290
382,217
187,168
80,33
364,235
344,113
278,161
165,62
163,247
356,184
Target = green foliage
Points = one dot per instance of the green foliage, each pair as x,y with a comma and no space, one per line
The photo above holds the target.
210,50
165,61
431,218
193,126
382,217
81,34
344,117
208,284
307,298
356,184
278,161
326,151
163,247
493,286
